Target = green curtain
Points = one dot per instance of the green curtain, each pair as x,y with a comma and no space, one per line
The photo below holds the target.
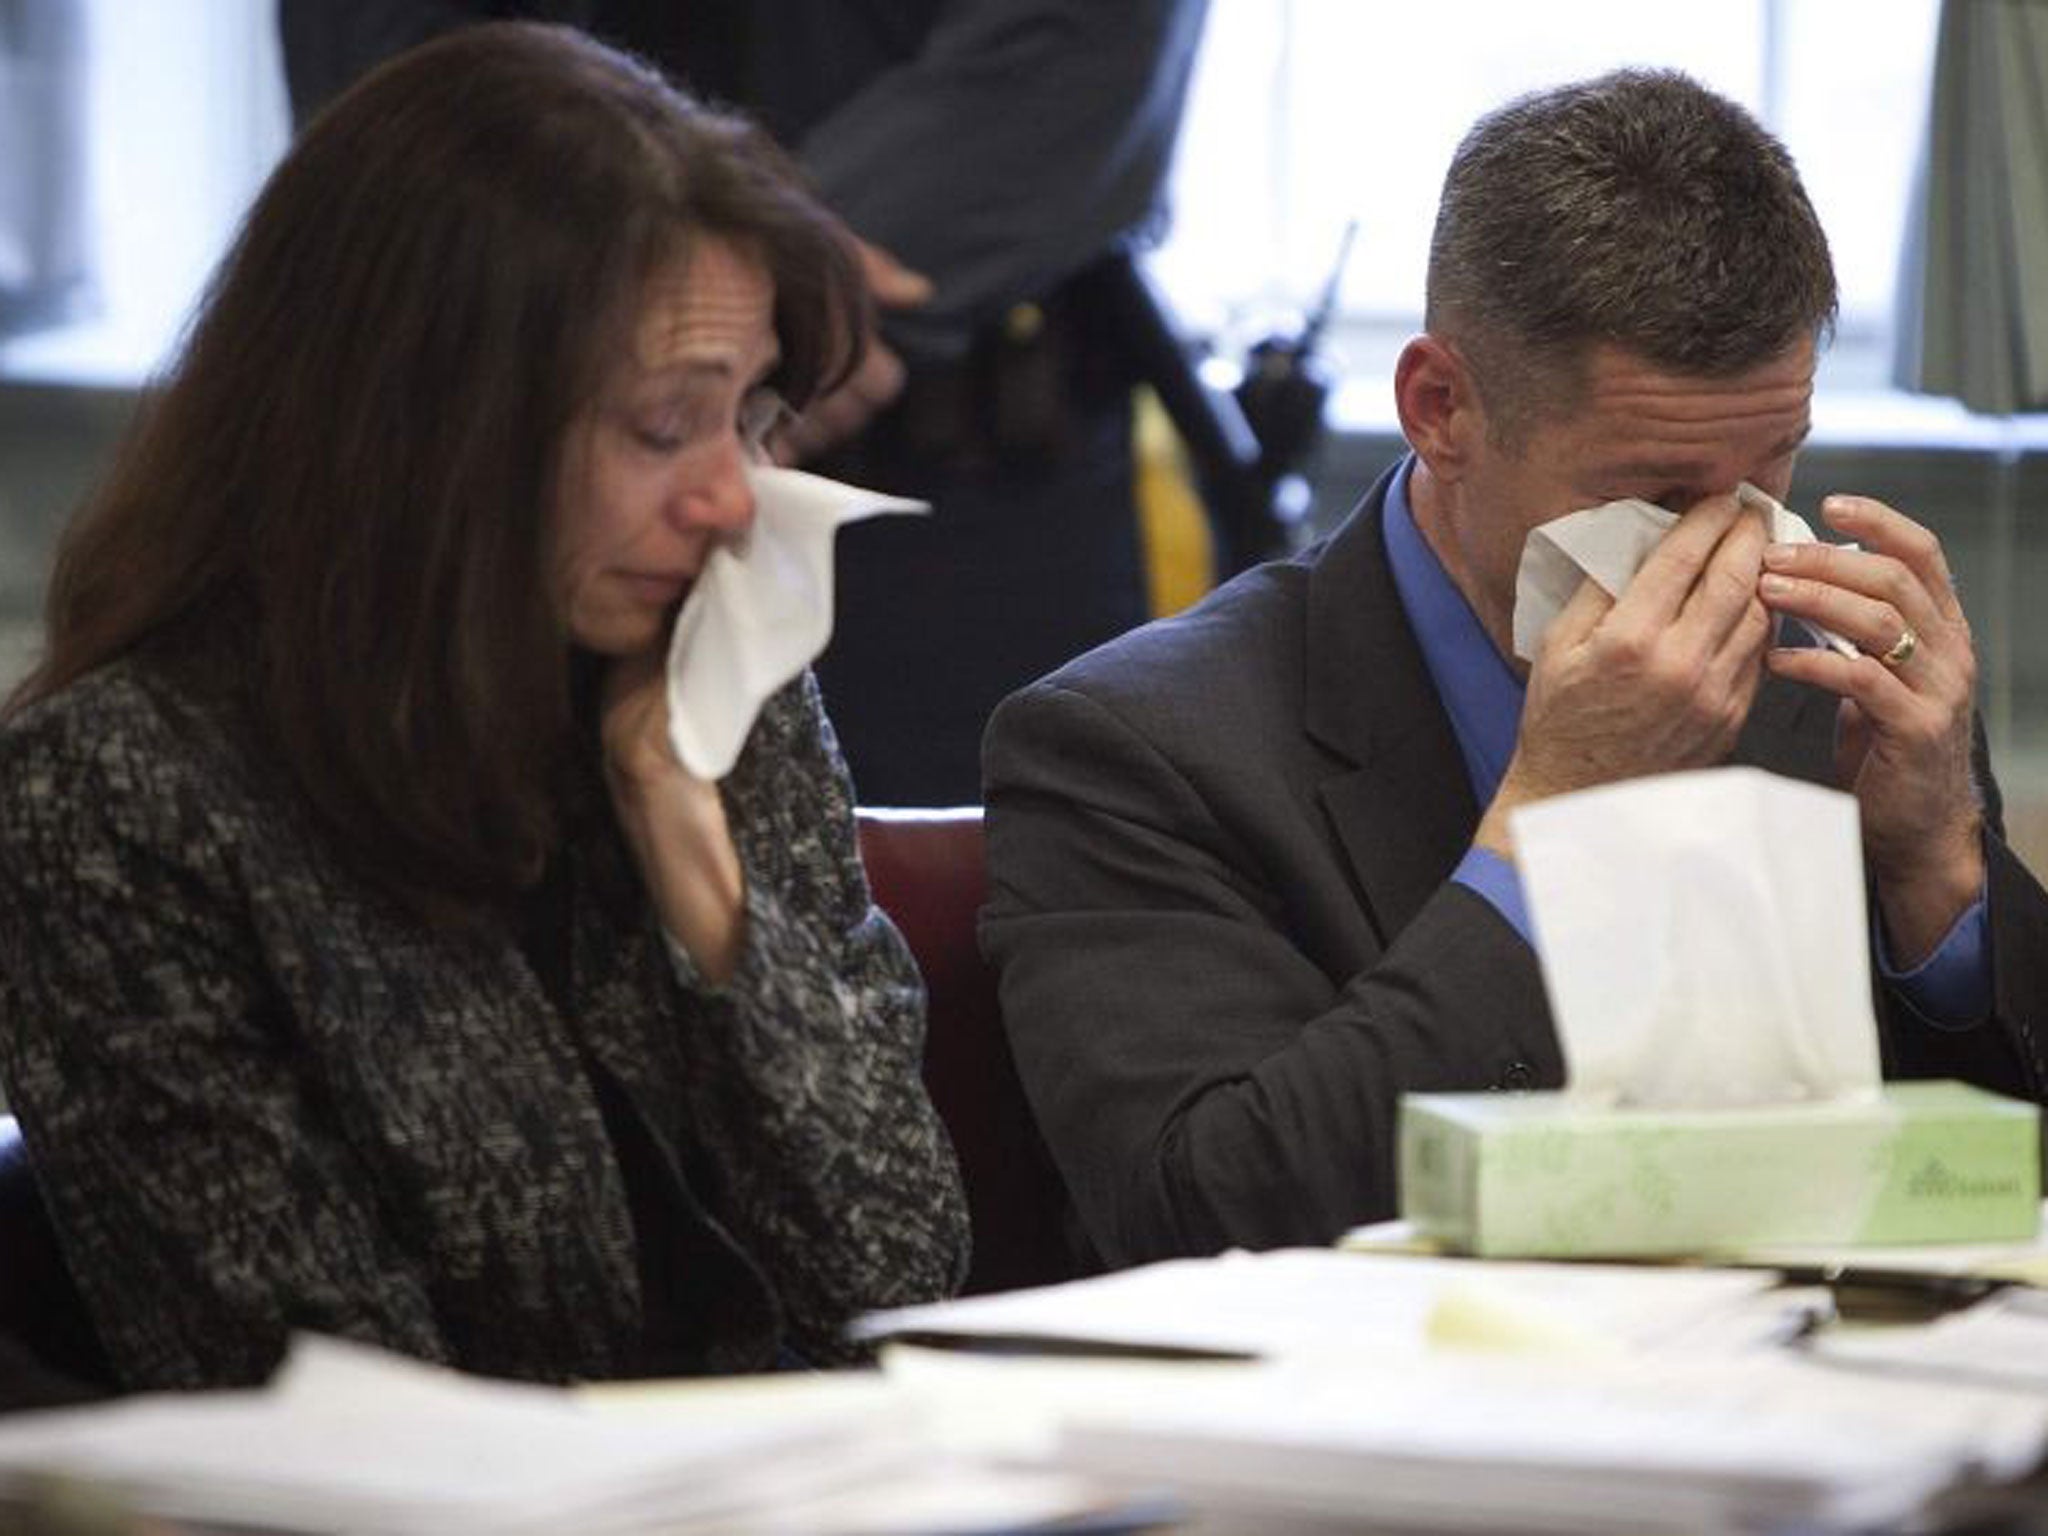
1973,287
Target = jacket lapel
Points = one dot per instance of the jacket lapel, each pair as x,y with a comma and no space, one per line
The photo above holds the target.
1400,804
1790,730
624,995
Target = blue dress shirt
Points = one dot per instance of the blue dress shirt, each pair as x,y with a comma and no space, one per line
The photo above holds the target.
1483,697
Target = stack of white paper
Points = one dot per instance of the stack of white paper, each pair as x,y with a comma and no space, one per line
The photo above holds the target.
1313,1303
2001,1341
1391,1393
1486,1444
1429,1394
350,1439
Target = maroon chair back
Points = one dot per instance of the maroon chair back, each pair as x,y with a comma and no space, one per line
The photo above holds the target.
929,872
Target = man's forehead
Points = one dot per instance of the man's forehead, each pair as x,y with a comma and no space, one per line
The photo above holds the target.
1643,410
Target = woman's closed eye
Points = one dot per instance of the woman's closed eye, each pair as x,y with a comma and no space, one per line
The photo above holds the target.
761,411
673,431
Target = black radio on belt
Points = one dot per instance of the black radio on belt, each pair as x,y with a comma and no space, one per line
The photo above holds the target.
1282,394
1250,443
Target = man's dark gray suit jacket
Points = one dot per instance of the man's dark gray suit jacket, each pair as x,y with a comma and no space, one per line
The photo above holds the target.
1220,851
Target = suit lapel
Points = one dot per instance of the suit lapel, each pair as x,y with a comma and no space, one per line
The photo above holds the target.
1401,805
1791,731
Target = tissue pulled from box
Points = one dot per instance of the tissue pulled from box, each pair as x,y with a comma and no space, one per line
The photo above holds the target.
759,612
1609,544
1703,939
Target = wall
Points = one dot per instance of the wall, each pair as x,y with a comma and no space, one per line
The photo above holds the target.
53,441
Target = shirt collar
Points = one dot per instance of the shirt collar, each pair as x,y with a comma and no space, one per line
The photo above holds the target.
1480,692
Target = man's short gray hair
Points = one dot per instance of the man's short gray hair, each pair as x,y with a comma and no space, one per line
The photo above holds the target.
1639,210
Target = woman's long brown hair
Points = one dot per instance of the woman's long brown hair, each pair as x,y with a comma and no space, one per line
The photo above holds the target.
344,483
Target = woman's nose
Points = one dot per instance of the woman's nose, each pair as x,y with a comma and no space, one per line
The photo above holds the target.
717,493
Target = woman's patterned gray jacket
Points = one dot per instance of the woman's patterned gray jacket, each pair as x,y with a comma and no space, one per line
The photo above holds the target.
261,1097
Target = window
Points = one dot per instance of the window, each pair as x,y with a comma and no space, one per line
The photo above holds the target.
184,116
1307,114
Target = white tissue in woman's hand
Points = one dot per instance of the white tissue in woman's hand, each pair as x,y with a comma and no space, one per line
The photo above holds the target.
759,612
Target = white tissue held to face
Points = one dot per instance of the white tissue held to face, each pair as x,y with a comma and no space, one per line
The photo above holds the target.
759,612
1703,939
1609,544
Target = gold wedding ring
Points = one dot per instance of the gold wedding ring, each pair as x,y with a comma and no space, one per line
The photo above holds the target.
1902,649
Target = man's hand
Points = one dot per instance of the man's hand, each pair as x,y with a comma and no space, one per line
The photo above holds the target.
1657,680
832,418
1903,740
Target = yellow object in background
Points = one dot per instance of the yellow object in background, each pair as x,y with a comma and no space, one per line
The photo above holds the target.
1173,526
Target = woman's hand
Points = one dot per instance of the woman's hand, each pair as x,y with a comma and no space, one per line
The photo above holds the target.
674,822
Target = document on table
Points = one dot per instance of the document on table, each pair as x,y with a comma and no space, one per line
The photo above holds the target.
2001,1341
1528,1445
1314,1303
2006,1263
350,1439
1425,1393
2009,1263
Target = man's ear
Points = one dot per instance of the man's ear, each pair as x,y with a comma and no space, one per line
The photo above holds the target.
1438,406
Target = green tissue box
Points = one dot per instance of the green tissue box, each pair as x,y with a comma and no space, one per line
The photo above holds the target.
1536,1175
